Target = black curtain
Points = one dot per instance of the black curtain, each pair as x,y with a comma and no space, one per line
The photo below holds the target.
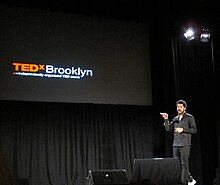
57,143
194,77
189,71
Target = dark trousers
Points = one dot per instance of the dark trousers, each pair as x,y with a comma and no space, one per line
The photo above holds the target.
183,153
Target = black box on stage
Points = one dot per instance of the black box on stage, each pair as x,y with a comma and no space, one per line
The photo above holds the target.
157,171
22,181
107,177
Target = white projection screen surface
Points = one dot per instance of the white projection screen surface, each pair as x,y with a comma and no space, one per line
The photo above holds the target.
57,57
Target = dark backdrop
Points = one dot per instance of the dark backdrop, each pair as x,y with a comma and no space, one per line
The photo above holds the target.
57,143
185,70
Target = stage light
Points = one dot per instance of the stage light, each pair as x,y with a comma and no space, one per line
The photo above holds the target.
205,35
189,34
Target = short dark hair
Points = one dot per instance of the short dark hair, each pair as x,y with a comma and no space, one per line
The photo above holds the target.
182,102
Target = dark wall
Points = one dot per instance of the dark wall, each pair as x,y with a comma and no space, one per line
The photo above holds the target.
184,70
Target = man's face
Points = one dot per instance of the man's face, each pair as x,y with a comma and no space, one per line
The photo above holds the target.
180,109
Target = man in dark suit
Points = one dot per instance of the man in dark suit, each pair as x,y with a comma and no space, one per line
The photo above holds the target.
183,126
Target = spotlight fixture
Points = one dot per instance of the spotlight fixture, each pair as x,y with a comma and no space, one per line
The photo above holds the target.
205,35
189,34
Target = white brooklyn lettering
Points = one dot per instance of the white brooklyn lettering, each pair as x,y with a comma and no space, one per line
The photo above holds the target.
68,71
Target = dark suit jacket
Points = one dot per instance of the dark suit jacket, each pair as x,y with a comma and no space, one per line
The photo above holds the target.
189,127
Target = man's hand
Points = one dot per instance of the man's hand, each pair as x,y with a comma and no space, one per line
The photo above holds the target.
164,115
178,130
